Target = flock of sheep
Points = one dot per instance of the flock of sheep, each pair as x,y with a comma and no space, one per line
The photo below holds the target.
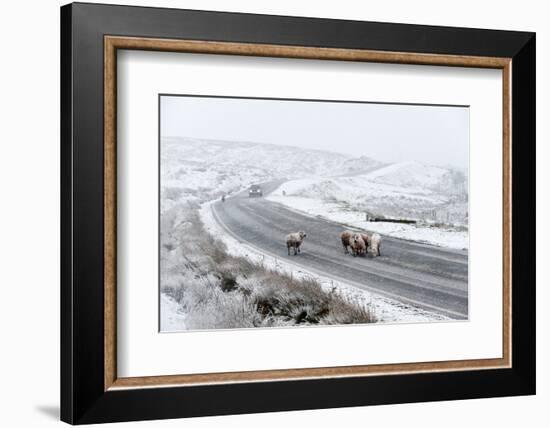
359,243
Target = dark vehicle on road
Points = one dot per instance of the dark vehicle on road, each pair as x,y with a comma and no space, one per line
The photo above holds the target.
255,191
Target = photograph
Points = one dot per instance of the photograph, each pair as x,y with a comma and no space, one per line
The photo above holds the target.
300,213
278,210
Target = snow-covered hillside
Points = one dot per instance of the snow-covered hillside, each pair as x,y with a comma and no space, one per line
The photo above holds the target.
404,190
435,197
360,165
195,269
340,187
199,170
415,175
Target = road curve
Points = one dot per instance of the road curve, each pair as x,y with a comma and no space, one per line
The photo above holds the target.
429,277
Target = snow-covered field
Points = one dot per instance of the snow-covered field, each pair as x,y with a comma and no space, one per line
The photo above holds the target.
435,197
430,234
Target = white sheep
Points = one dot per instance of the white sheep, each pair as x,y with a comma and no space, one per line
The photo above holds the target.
294,240
357,244
375,242
345,237
366,239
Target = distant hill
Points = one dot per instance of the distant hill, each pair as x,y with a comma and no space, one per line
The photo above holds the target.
360,165
269,158
421,176
409,190
196,170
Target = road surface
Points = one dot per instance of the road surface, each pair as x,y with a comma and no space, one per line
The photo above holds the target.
429,277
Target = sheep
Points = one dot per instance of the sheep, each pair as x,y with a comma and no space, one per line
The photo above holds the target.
345,237
366,239
357,244
294,240
375,242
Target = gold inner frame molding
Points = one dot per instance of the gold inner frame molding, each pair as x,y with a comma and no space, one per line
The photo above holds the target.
113,43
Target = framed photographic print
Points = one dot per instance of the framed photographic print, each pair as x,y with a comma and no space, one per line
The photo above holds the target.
265,213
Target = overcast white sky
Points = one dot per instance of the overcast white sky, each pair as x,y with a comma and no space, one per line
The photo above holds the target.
391,133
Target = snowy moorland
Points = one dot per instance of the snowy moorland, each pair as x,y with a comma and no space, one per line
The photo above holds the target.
205,286
199,170
210,281
436,198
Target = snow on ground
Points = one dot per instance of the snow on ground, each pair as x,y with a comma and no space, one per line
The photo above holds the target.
386,310
409,174
450,238
335,186
406,190
195,170
172,317
435,197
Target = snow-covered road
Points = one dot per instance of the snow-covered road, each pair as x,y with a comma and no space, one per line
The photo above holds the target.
429,277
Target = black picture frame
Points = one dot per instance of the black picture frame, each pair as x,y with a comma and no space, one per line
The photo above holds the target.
83,398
